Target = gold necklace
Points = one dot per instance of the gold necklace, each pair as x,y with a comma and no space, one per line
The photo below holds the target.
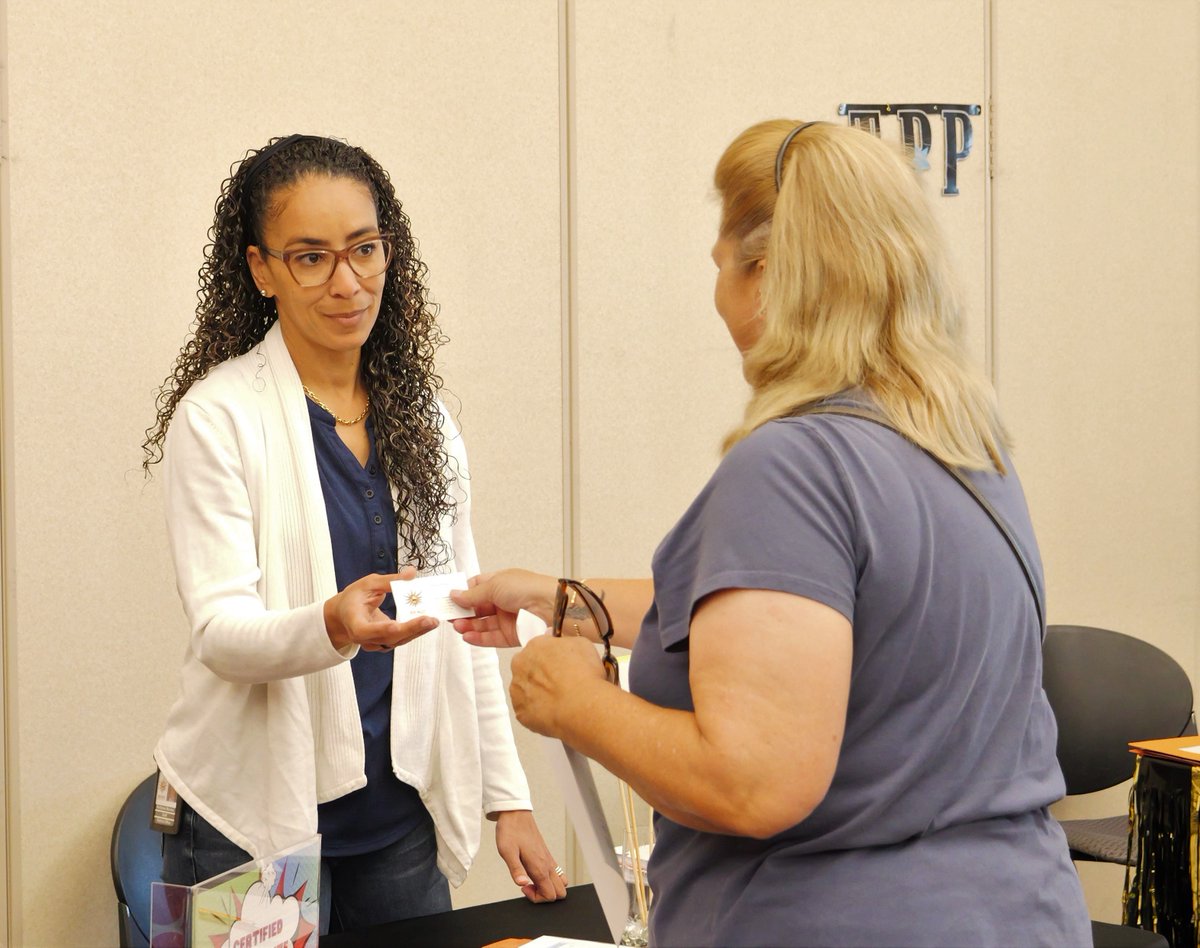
341,421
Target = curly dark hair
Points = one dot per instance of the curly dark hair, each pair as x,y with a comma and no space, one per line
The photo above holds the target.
397,364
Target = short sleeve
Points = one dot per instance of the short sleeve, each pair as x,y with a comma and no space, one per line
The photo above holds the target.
775,515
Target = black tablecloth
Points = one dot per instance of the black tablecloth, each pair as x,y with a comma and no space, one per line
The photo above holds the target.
577,916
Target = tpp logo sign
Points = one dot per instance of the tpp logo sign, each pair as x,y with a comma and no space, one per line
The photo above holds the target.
917,131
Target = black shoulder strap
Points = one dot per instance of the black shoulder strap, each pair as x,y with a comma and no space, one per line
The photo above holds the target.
962,481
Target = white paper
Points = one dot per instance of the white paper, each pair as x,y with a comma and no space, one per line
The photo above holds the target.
591,831
624,663
529,626
429,596
574,778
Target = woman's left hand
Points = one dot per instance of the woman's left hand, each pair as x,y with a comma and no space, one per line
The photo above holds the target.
533,868
548,671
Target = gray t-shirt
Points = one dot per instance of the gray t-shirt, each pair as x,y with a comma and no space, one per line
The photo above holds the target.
934,830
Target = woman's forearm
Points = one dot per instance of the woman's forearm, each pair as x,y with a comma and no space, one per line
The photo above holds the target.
757,752
667,760
627,601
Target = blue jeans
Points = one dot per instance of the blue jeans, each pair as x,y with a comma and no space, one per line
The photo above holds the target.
399,881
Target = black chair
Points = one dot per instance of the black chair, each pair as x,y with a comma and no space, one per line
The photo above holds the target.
136,855
1105,935
1108,689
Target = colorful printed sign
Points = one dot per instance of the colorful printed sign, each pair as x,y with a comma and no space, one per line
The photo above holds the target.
273,903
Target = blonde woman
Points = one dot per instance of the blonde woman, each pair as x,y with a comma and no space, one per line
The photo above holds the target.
837,665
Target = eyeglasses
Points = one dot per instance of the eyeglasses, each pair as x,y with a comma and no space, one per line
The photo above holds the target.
314,267
569,592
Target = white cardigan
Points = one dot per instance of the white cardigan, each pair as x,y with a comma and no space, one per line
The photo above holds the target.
266,725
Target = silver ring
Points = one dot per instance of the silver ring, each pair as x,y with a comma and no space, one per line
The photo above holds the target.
558,871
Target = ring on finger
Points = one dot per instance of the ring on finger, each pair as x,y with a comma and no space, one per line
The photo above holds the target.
559,871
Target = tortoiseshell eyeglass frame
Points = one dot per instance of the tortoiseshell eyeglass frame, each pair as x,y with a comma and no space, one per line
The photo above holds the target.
570,590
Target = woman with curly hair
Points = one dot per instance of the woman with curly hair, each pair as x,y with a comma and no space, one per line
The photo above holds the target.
306,455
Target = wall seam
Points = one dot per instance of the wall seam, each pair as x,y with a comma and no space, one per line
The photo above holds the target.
568,328
989,217
568,322
7,679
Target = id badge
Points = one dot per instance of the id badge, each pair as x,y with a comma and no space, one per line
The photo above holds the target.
164,817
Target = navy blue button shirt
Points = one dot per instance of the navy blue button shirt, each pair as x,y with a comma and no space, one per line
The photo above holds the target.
362,526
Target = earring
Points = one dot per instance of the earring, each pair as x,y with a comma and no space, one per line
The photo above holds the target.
264,292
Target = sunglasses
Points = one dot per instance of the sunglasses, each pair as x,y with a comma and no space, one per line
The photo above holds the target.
570,593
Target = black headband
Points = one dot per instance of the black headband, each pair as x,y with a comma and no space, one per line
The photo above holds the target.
783,149
263,158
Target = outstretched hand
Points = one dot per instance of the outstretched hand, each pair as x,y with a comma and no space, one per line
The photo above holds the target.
353,616
496,598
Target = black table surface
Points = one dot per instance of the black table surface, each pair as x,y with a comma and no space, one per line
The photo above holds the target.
577,916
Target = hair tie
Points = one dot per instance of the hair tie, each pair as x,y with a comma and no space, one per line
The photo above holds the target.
783,148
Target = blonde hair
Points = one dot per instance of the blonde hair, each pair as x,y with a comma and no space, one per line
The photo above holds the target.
857,290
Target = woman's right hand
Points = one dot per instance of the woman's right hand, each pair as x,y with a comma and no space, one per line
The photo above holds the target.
496,599
353,617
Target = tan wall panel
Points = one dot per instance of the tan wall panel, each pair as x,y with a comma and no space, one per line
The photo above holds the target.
1096,204
661,89
125,118
124,125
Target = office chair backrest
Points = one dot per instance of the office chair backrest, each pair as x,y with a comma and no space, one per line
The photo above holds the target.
136,854
1108,689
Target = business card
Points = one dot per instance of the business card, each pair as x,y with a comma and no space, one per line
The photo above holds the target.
429,596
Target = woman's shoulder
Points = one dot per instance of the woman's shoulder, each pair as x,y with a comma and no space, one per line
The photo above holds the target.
793,439
786,456
228,403
226,384
452,437
805,453
828,434
447,421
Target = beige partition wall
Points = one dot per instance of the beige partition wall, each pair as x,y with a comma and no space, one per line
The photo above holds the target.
1097,243
660,90
1089,322
1078,262
125,118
